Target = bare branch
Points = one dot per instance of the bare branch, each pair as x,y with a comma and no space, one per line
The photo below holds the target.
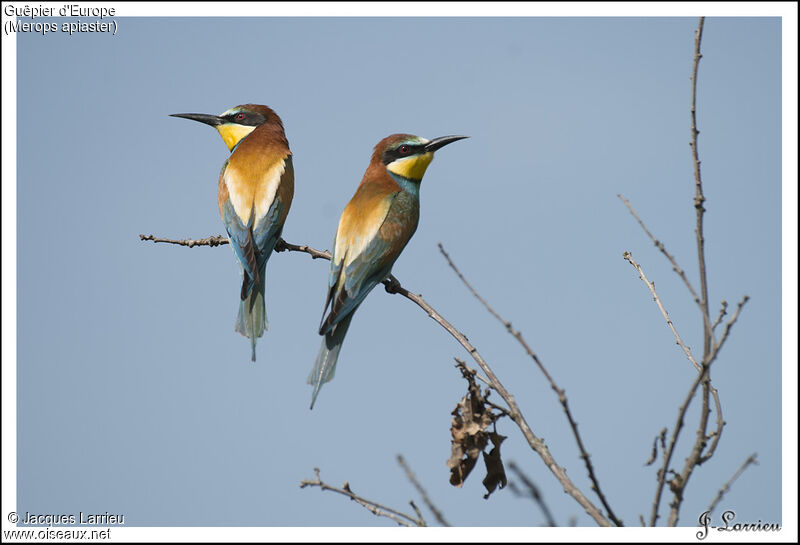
662,436
375,508
699,198
462,365
651,285
217,240
283,246
717,433
722,312
533,492
411,477
562,397
722,491
417,511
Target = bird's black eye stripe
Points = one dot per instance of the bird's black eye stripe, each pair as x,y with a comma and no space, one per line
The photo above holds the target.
246,118
402,150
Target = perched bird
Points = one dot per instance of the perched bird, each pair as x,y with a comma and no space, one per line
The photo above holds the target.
374,228
256,186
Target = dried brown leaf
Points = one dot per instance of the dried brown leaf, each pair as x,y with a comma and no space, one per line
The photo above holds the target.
495,472
471,418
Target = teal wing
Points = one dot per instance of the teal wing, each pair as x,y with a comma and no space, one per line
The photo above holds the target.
373,264
244,246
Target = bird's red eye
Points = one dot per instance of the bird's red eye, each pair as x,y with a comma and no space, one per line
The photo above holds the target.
404,149
239,116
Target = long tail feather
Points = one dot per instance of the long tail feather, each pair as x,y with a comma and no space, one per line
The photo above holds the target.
252,319
325,366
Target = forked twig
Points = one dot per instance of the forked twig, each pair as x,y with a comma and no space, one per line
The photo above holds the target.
375,508
727,486
411,477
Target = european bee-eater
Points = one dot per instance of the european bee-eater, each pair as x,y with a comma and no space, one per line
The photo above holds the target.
256,186
374,228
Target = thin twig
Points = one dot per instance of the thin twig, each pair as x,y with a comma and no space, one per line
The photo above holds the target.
503,411
651,285
722,491
534,493
418,512
411,477
728,326
217,240
473,372
717,433
722,312
662,437
562,397
283,246
660,246
699,198
374,507
467,372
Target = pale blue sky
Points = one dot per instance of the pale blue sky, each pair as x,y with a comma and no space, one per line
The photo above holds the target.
136,396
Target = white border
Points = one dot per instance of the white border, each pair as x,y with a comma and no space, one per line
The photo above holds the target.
787,10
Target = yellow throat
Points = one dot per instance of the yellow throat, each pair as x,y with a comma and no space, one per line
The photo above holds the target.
232,133
411,167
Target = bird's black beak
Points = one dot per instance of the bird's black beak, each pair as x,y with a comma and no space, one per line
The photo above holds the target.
213,120
442,141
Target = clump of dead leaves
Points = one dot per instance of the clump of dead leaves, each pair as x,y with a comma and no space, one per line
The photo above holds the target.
472,418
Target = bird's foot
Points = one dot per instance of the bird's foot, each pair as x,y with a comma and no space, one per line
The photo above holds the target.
392,284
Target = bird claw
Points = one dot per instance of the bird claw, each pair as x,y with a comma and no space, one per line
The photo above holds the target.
391,284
